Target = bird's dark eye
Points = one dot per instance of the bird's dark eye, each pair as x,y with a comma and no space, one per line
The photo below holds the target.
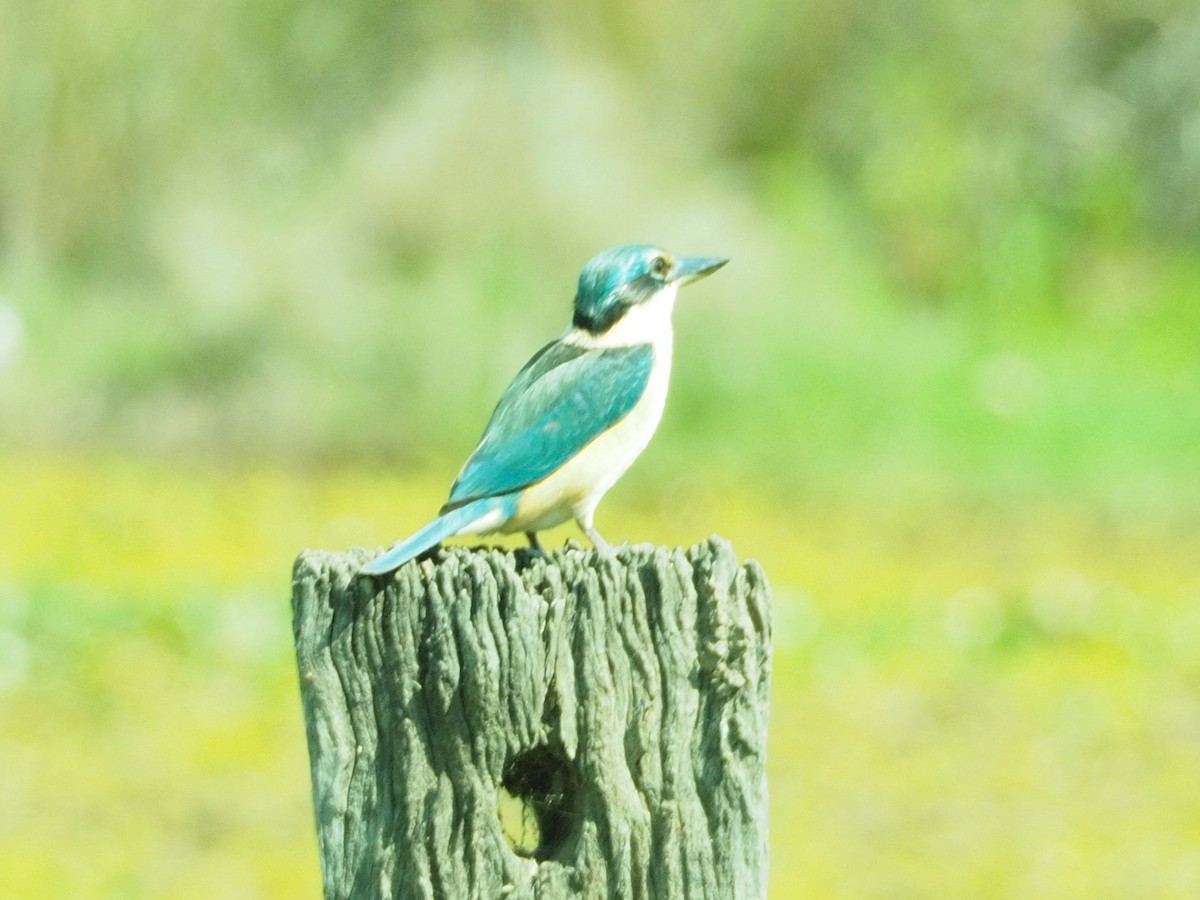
659,266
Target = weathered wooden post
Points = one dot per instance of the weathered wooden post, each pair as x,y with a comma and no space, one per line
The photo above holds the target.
622,701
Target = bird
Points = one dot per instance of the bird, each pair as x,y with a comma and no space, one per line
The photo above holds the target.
577,415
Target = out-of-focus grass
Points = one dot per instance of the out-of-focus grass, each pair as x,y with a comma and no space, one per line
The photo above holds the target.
972,698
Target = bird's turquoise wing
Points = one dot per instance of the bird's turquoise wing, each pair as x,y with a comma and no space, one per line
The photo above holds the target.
564,398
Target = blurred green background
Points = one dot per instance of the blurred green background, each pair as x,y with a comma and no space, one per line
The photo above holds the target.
265,268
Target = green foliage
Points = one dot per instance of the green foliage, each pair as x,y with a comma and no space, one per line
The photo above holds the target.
963,239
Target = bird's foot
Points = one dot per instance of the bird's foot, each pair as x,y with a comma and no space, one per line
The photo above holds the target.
602,546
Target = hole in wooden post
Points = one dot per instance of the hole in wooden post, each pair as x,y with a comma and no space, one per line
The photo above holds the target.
538,803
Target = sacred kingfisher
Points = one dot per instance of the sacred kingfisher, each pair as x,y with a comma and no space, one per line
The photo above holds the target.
579,413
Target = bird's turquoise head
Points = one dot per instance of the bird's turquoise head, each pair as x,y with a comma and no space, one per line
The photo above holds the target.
616,280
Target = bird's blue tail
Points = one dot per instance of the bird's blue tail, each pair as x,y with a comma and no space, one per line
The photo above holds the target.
468,518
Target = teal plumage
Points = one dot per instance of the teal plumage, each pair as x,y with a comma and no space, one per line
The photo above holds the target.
564,398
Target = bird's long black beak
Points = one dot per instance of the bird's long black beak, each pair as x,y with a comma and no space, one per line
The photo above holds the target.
693,268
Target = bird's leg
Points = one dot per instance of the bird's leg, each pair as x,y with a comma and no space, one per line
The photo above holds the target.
534,544
585,525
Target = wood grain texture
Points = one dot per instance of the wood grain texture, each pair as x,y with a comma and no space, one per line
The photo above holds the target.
622,700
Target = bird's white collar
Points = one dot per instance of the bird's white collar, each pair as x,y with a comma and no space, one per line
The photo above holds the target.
646,323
